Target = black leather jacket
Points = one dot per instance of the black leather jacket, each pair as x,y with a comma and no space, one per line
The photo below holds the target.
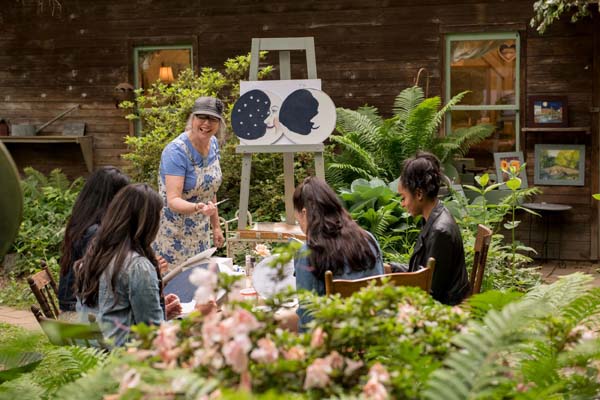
440,238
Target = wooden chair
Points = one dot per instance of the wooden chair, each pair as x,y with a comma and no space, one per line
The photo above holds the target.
345,288
44,289
482,244
64,333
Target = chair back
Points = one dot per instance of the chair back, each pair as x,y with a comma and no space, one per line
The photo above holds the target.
64,333
44,289
346,287
482,244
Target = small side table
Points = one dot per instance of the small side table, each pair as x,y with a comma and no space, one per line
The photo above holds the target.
547,210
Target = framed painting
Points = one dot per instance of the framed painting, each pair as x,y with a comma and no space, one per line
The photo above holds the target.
547,112
504,161
559,164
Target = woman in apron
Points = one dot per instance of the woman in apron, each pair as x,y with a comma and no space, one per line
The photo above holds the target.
190,176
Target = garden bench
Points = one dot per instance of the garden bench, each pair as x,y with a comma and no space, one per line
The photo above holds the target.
346,287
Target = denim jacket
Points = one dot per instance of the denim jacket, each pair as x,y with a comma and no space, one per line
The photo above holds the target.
136,299
305,279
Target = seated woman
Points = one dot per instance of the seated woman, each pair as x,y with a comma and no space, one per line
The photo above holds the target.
90,206
440,236
119,277
334,241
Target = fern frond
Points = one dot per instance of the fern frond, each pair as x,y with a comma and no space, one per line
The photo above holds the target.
562,292
475,367
439,116
458,142
365,159
406,102
416,135
359,172
372,113
349,121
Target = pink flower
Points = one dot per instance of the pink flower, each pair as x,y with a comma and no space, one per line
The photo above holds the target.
379,373
262,250
266,352
317,374
405,312
211,332
335,360
245,321
165,343
130,380
457,310
318,338
352,366
236,353
374,390
206,281
295,353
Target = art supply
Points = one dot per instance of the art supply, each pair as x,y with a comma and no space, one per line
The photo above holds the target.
220,201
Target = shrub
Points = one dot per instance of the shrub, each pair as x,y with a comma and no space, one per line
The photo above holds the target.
47,206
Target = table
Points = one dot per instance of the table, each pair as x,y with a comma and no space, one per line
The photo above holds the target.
547,210
85,143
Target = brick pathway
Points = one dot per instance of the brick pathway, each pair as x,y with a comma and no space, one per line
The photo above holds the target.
22,318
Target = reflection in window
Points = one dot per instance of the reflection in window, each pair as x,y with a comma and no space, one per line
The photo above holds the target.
486,66
165,64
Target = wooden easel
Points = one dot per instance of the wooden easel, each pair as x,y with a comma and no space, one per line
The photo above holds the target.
284,46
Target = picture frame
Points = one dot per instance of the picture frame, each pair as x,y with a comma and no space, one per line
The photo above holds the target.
505,159
547,112
559,164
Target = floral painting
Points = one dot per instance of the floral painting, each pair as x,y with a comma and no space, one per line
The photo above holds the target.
506,160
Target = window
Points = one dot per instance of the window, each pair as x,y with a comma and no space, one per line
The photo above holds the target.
152,63
487,66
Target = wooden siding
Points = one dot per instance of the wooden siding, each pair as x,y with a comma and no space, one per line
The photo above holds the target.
367,51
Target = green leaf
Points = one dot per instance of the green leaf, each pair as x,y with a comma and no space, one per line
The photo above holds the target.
482,180
513,183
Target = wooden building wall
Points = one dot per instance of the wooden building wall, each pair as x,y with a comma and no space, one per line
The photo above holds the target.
367,52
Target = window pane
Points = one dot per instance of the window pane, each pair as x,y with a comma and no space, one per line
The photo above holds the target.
502,139
484,67
151,61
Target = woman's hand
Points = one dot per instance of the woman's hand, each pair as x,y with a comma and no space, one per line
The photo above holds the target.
207,308
207,209
218,238
163,265
172,305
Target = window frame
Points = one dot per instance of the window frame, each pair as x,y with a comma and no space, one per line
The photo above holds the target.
452,37
136,76
138,49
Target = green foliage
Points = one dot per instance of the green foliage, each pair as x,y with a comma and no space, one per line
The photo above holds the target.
163,110
534,348
372,147
376,208
505,268
549,11
47,206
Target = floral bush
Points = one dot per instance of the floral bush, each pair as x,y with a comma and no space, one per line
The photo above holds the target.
383,341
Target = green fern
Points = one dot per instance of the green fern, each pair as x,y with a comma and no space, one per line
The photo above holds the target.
368,143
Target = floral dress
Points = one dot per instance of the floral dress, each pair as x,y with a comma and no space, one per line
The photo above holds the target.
182,236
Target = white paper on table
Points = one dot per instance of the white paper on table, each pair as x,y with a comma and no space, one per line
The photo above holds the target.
187,308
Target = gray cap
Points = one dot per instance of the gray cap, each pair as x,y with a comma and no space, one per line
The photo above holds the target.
209,106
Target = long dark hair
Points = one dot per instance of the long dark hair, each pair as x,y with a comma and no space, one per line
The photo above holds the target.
333,237
130,224
89,208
